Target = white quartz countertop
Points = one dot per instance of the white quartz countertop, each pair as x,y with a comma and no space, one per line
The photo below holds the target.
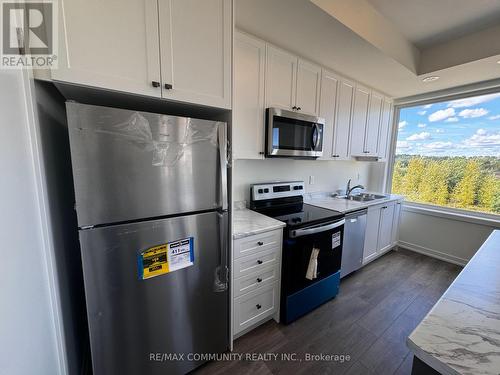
247,222
344,205
461,334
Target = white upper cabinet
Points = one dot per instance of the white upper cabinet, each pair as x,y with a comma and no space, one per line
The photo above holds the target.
195,45
372,124
327,109
342,134
359,120
176,49
281,78
385,130
308,87
248,106
110,44
292,83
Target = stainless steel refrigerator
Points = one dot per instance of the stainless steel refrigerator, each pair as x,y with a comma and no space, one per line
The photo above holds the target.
151,202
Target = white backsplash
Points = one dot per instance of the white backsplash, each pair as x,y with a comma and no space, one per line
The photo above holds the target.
328,175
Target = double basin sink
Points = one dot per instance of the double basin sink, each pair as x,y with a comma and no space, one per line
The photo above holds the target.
363,197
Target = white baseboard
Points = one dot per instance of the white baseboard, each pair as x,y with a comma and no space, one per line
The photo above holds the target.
433,253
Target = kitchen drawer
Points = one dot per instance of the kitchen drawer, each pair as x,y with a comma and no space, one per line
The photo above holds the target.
256,280
259,242
256,262
255,306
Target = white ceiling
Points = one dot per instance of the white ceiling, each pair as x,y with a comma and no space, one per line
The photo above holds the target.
429,22
307,30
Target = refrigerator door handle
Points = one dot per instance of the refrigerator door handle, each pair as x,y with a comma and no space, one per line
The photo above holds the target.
221,274
222,135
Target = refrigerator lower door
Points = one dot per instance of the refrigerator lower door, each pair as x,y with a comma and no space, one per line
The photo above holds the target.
130,165
153,325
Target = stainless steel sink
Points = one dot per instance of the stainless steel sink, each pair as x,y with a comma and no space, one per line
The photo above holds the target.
364,197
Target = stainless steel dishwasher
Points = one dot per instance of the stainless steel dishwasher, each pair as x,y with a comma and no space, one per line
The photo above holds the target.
354,242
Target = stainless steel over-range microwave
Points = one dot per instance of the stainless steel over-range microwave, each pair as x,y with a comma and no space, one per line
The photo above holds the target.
293,134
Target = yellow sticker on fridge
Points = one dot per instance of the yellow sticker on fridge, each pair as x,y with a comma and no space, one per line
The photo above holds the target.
165,258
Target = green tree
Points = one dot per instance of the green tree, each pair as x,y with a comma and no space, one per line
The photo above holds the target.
488,192
397,178
465,193
413,177
433,186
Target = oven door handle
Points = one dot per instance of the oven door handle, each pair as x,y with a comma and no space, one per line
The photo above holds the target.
318,229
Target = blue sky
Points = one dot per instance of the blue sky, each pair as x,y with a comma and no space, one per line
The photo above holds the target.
466,127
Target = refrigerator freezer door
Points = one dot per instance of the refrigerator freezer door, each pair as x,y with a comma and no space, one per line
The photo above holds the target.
131,165
132,319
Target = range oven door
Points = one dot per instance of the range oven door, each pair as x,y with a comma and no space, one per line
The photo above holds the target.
299,244
293,134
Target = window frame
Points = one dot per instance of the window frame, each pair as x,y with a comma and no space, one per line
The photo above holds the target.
433,98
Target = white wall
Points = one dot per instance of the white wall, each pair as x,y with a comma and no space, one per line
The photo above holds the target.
28,343
453,239
328,175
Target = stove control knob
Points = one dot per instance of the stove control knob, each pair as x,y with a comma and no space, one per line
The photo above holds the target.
266,190
260,191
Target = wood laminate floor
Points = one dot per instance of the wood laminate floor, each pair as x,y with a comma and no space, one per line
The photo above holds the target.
376,309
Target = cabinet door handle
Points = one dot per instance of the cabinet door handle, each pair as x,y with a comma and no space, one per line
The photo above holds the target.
155,83
366,152
298,108
261,153
168,86
259,262
259,280
384,207
335,156
294,107
258,306
260,243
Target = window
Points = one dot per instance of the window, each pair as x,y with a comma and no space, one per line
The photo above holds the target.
448,154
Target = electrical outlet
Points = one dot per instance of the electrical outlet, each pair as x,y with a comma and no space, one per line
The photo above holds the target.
311,180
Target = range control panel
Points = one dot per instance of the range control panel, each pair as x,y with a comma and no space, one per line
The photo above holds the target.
277,190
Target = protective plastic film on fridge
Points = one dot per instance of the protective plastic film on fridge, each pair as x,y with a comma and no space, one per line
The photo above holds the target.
151,202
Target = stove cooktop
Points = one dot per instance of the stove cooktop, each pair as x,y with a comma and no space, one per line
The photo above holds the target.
301,214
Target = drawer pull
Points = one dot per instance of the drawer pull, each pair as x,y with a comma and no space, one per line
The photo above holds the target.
258,306
260,243
259,262
259,280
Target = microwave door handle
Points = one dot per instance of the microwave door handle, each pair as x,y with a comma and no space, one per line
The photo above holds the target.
315,137
319,229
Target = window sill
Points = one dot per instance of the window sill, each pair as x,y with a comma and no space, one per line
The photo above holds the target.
453,214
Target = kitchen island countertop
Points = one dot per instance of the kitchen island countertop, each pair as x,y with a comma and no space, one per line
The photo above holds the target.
461,334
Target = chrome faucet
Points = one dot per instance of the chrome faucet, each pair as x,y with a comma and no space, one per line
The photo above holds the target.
349,189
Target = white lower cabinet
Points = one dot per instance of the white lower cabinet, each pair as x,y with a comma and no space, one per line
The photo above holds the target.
382,228
255,287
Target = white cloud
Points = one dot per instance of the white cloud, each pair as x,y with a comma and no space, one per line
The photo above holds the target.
451,119
422,125
421,113
438,145
469,102
483,138
419,136
439,130
402,144
472,113
427,106
441,114
496,117
402,124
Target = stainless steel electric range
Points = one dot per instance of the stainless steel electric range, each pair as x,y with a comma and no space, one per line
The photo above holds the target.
312,246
